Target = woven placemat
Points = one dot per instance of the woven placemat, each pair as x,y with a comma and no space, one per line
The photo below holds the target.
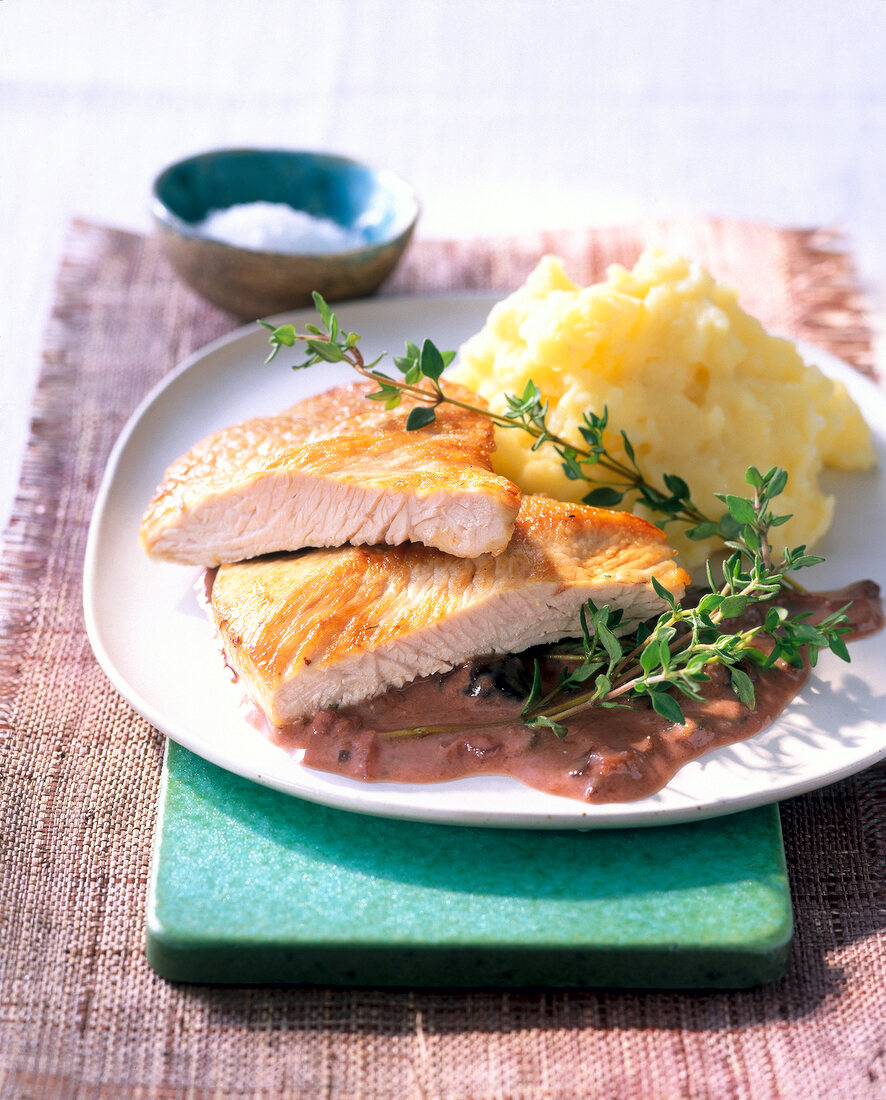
81,1015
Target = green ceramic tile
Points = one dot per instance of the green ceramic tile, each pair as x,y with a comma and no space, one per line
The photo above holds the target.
252,886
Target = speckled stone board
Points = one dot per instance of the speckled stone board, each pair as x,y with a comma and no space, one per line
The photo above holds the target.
253,886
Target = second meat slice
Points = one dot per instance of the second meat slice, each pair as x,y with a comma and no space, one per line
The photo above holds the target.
334,469
333,627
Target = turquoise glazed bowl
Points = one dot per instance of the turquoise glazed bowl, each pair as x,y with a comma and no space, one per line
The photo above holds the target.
375,209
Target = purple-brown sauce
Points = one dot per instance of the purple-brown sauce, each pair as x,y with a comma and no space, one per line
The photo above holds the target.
607,755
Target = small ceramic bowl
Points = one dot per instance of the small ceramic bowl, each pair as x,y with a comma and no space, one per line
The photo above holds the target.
375,210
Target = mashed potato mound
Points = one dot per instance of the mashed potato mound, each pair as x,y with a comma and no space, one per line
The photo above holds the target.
702,390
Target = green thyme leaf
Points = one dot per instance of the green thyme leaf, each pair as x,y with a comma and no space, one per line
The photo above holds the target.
542,720
667,706
323,309
603,497
663,592
649,658
732,606
570,464
741,510
701,531
743,686
534,690
326,350
420,417
676,485
432,362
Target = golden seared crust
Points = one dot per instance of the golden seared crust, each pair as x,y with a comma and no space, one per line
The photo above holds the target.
345,409
333,469
329,627
568,538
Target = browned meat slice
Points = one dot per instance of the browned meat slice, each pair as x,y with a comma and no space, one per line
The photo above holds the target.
328,627
332,470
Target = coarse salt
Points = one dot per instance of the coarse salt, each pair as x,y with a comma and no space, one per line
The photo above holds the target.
277,227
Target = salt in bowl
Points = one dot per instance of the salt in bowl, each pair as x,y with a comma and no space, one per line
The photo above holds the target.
291,221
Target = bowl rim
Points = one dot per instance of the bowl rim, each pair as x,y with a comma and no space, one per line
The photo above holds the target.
168,218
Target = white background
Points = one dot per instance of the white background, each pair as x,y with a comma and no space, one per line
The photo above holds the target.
503,115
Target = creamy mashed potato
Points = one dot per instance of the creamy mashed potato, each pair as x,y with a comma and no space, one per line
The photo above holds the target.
701,389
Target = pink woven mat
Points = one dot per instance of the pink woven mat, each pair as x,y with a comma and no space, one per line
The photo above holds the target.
81,1015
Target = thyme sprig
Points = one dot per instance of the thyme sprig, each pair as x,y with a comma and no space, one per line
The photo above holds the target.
662,659
612,477
672,655
675,653
421,368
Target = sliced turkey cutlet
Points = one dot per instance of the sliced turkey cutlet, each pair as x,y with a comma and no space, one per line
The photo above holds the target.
327,627
334,469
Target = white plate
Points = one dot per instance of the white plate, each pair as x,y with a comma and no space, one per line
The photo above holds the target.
157,647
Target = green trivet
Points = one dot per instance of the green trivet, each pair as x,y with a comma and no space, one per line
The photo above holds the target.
251,886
